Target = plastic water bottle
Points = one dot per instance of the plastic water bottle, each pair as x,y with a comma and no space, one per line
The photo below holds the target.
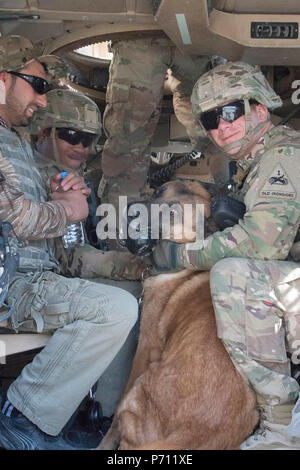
75,235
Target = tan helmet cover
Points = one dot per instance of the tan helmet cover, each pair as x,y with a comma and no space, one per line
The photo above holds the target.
230,82
17,51
67,108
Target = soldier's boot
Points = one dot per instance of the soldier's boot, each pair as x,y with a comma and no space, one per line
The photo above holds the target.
272,431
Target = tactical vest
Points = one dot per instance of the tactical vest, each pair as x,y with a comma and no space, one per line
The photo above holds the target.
36,255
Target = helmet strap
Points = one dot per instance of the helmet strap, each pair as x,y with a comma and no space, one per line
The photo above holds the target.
54,145
245,141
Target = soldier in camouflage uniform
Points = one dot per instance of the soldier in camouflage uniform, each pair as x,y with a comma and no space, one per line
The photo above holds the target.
72,111
89,322
255,283
134,94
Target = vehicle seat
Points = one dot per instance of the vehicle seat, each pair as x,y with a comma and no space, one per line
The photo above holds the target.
13,343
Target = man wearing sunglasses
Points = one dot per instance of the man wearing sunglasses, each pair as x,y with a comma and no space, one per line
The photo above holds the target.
89,322
66,130
255,283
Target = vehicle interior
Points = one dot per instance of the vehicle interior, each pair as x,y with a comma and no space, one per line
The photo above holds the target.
261,33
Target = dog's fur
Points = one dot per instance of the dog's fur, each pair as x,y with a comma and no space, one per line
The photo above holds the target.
184,391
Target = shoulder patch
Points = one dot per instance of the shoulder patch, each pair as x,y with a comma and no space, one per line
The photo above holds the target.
278,185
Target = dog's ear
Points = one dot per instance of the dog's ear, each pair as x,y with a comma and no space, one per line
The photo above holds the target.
211,188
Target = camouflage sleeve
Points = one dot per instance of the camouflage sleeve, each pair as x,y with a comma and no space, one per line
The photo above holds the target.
47,168
88,262
271,222
31,220
46,175
266,232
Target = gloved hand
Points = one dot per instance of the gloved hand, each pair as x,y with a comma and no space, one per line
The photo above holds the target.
166,257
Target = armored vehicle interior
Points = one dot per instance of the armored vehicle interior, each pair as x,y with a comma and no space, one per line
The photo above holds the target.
263,33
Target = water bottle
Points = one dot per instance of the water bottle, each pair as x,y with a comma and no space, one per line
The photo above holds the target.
75,235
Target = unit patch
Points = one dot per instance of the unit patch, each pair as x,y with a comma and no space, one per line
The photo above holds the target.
278,185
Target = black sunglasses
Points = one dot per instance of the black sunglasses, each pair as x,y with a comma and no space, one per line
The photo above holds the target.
229,113
39,85
75,137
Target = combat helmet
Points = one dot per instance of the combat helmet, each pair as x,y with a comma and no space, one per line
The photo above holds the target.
17,51
67,108
230,82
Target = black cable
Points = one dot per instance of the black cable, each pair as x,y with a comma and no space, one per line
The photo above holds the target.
289,116
162,175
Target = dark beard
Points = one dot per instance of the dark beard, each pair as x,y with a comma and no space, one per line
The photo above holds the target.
17,117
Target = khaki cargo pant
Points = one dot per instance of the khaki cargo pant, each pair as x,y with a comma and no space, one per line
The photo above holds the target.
89,323
134,94
257,307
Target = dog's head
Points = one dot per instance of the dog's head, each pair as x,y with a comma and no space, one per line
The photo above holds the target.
171,213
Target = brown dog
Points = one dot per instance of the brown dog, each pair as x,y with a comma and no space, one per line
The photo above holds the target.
184,391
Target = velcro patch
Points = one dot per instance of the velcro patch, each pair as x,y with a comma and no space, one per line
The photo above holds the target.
288,151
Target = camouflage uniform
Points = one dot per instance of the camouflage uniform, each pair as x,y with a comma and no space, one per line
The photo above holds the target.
255,290
74,110
254,284
256,301
134,94
87,261
89,322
